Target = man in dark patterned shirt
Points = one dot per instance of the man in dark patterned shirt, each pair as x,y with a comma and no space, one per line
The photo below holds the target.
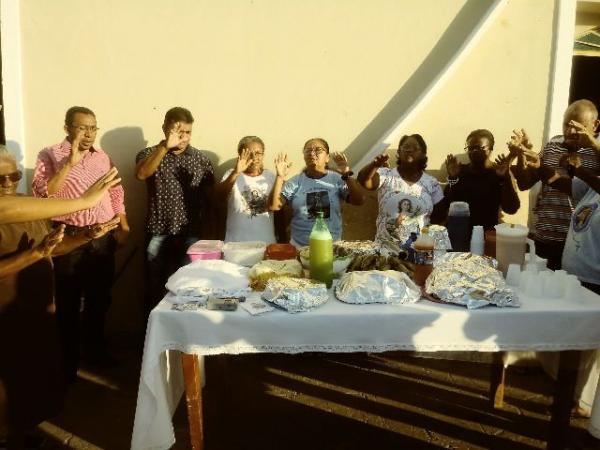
554,208
179,179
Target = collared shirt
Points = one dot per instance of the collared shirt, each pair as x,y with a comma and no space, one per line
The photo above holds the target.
94,164
554,208
177,191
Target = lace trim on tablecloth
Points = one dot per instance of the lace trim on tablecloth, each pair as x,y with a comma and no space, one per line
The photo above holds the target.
237,349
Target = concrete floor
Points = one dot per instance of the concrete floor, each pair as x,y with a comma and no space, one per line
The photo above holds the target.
322,401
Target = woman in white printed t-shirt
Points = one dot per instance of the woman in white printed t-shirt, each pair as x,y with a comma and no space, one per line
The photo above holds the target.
406,194
247,187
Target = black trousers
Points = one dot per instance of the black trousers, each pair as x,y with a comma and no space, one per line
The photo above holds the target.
86,273
552,252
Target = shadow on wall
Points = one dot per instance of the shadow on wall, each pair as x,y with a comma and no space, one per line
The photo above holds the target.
359,223
122,144
440,55
220,210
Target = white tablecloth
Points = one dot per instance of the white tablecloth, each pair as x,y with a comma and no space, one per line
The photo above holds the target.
540,324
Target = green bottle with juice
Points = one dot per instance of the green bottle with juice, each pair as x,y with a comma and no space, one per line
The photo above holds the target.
321,251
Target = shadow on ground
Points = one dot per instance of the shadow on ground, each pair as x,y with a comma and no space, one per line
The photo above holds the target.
322,401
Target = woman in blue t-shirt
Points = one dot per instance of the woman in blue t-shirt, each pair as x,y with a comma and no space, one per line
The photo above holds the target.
315,189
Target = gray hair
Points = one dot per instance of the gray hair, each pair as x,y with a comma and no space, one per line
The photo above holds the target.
6,155
247,140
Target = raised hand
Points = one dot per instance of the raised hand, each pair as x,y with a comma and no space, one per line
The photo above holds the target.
174,136
381,160
523,138
520,146
243,161
75,156
503,165
50,241
586,136
97,190
452,166
341,162
282,165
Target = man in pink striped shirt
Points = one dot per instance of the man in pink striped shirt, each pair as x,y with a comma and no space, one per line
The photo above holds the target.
67,170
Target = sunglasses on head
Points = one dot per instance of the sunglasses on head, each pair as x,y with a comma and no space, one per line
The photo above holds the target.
14,177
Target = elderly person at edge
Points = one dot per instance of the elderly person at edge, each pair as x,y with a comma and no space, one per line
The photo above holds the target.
554,208
405,184
487,187
246,188
27,318
315,189
581,255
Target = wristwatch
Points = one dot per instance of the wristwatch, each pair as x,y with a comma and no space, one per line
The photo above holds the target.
347,175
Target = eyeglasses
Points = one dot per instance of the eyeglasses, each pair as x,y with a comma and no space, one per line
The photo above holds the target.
476,148
13,177
85,128
316,150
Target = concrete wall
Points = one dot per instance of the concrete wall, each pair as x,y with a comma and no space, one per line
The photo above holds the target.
285,71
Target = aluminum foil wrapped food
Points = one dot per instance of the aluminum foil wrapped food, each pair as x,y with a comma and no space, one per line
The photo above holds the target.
469,280
441,240
377,286
354,248
295,294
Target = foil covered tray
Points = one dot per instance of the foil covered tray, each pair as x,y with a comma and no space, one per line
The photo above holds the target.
295,294
469,280
377,286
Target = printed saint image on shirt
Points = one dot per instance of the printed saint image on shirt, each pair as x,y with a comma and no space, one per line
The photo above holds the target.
582,216
317,201
403,217
256,201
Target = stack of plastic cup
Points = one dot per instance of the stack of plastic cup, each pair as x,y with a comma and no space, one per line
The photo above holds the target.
477,240
513,275
572,288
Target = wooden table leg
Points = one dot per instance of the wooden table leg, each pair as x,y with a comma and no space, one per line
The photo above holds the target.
563,400
193,398
497,378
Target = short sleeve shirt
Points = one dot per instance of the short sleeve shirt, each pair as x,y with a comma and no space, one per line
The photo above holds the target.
403,208
177,192
307,196
248,215
581,255
554,208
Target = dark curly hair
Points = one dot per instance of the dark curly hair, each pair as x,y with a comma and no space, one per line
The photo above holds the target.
420,141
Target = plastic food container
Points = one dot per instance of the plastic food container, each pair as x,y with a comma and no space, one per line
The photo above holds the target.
244,253
205,249
280,252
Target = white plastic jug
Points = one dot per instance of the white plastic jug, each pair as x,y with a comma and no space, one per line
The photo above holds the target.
511,240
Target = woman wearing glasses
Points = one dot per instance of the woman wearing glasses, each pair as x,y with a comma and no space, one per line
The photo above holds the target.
487,187
26,300
406,194
246,189
315,189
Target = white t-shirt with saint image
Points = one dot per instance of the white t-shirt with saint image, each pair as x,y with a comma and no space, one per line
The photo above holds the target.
404,208
248,215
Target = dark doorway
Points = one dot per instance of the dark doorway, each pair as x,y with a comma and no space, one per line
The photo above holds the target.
584,79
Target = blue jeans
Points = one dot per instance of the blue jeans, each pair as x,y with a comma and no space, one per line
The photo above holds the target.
164,255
